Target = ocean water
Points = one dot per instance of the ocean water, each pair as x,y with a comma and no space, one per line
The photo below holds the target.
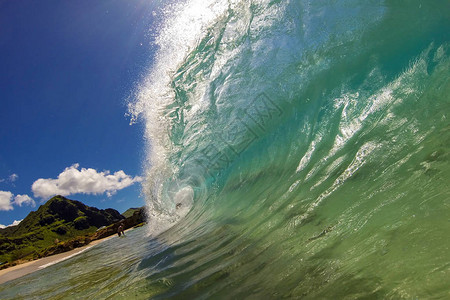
308,144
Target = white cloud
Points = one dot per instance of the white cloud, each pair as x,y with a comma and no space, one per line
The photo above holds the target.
24,199
13,177
84,181
13,224
5,200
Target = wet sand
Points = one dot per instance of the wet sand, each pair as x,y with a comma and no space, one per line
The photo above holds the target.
35,265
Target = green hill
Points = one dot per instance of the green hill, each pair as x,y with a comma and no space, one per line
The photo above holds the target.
59,219
130,212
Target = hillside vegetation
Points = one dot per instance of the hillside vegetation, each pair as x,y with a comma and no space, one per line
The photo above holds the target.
58,220
131,211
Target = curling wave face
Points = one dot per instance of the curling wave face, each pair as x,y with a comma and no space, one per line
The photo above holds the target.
300,148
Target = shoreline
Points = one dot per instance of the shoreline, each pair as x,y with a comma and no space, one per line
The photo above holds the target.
26,268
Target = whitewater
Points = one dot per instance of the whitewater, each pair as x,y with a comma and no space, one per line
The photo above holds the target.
296,149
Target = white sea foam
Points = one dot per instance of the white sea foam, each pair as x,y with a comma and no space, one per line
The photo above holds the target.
64,258
183,26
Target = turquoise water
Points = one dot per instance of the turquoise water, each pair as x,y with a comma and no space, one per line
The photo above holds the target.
308,144
103,271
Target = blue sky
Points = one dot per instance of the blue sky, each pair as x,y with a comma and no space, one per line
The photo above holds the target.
67,70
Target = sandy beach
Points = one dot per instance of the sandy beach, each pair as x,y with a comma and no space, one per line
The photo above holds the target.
35,265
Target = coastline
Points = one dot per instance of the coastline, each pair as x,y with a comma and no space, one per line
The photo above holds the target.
26,268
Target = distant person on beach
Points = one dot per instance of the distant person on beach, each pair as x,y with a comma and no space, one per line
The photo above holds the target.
120,230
